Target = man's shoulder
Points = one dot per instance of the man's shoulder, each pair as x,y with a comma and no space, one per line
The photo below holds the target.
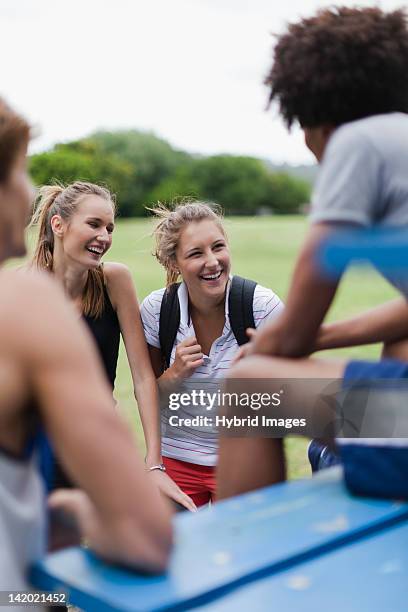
32,309
24,288
372,130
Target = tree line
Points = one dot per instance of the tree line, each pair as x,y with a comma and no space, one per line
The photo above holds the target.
142,169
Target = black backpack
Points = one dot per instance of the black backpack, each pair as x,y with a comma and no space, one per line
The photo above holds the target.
241,313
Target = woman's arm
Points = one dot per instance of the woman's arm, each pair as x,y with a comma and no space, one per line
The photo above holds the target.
386,323
124,300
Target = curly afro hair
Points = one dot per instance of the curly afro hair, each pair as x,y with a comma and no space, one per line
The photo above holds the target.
340,65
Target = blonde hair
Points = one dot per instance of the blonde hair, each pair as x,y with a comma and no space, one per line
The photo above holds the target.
63,201
172,220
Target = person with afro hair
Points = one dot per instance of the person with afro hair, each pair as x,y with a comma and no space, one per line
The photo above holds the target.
342,76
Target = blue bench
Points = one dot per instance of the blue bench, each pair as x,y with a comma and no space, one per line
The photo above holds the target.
234,543
376,581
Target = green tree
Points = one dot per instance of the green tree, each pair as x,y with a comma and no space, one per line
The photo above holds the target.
288,194
239,184
152,160
181,184
82,160
143,169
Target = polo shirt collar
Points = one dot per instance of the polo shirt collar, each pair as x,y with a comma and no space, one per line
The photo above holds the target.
182,294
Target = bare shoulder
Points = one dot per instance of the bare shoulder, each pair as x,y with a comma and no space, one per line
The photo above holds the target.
119,283
116,273
112,268
34,313
25,289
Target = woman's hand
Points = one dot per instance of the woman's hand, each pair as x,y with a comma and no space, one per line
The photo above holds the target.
188,358
168,487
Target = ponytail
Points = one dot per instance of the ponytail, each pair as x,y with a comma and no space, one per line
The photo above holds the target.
43,211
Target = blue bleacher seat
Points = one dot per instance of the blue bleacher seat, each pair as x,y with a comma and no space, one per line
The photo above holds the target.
235,542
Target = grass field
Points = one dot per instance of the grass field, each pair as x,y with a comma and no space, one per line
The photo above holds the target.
264,249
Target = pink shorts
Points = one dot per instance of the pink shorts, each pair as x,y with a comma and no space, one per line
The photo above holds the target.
196,481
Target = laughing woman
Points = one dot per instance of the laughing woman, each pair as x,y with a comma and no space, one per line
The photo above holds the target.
76,225
191,242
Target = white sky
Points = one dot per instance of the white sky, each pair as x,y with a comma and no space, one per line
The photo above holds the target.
190,70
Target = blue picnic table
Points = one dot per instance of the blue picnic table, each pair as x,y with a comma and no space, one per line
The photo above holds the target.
240,550
368,575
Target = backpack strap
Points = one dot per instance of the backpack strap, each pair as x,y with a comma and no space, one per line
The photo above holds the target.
169,321
241,307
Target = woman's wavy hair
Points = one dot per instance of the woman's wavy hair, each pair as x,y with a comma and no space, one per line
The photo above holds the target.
172,219
63,201
341,65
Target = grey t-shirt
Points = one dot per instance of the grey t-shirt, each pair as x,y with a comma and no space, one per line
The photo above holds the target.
363,179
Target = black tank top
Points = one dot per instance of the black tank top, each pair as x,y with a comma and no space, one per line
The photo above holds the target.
106,331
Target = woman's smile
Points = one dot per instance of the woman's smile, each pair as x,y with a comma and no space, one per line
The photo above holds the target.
203,259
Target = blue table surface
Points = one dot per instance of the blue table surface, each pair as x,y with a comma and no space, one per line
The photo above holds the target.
234,542
370,575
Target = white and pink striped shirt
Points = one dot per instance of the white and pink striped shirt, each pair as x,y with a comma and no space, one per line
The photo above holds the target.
200,444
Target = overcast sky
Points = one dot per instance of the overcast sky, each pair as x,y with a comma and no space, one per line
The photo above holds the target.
190,70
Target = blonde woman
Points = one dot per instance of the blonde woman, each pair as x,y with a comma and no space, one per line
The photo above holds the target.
191,243
75,228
